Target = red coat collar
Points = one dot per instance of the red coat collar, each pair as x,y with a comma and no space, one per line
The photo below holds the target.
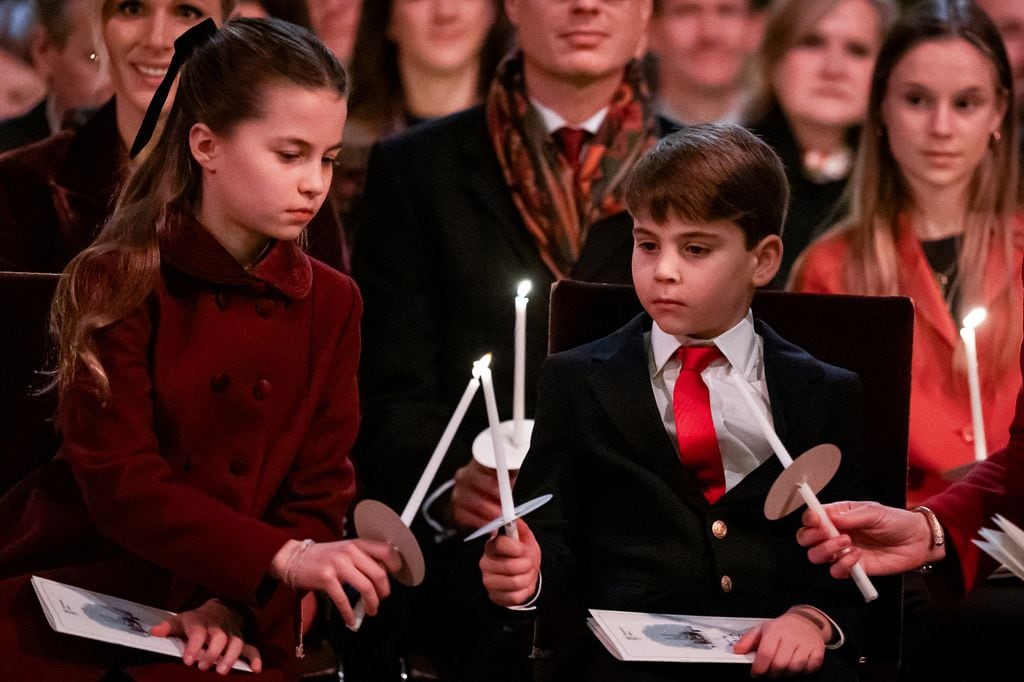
186,246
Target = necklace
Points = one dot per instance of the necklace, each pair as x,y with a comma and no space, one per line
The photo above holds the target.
943,256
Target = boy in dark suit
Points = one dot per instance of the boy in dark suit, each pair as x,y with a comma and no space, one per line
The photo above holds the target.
659,471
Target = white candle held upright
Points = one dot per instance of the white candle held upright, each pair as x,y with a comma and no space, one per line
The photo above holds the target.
420,491
519,378
967,333
508,512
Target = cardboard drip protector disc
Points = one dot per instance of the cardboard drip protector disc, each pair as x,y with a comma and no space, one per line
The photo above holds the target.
816,467
376,521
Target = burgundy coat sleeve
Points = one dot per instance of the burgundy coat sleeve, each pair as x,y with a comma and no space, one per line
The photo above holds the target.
143,504
996,486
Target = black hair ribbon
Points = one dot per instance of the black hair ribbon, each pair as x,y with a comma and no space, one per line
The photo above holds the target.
184,46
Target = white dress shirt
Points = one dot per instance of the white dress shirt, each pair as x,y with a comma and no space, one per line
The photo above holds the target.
553,120
740,440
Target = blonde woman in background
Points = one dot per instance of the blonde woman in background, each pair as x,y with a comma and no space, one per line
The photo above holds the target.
815,68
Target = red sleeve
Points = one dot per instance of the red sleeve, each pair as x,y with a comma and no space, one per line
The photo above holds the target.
137,501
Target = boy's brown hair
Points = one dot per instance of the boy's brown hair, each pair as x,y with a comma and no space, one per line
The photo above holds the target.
707,173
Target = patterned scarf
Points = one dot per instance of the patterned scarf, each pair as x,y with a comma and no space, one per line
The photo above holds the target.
557,205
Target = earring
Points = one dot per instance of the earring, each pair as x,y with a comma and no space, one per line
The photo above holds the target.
996,137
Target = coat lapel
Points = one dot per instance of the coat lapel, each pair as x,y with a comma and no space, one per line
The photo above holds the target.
621,383
793,378
86,183
918,282
482,177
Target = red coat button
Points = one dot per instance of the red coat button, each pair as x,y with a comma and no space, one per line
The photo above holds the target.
264,308
220,382
223,300
261,390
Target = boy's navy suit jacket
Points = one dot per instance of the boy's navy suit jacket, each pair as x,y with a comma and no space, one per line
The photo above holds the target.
629,527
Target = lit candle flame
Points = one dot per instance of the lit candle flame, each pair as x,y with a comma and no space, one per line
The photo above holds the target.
480,365
974,318
524,288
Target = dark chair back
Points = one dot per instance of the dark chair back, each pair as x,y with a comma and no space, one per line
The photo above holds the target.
871,336
27,437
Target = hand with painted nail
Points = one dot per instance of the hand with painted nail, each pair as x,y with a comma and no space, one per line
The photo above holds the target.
213,637
886,540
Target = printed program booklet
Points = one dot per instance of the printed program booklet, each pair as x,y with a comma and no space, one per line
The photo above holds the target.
632,636
75,611
1005,545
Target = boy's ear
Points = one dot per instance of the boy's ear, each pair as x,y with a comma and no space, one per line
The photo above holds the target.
204,145
767,256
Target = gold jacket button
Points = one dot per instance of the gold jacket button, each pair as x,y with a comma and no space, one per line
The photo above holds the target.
719,529
726,584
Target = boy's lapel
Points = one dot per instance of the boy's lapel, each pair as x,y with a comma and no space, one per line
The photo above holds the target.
793,377
621,383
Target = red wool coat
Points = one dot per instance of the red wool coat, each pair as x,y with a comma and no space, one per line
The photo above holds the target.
232,411
941,433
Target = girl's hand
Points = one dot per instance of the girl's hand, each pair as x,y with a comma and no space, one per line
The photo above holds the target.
511,567
787,645
213,637
363,564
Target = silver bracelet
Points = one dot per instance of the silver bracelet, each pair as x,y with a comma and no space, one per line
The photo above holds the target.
289,569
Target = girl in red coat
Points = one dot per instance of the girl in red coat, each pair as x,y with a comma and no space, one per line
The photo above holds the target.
934,216
207,383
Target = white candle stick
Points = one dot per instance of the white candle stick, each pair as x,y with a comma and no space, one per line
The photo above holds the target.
967,333
810,499
508,512
519,378
420,491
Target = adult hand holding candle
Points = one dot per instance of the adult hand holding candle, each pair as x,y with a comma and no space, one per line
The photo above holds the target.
519,379
508,513
971,321
806,492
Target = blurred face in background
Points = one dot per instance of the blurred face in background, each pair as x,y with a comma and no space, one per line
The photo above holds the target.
1008,15
440,36
704,44
824,78
335,23
139,36
21,86
579,40
74,73
940,110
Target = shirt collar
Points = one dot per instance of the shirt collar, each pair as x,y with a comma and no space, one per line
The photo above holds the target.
187,246
738,344
553,120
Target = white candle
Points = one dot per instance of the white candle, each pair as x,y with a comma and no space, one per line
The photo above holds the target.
810,499
508,513
420,491
519,378
967,333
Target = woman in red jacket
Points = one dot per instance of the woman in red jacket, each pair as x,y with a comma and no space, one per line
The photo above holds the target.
207,383
933,202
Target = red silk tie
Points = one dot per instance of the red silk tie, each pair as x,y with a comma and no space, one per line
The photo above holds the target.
691,403
570,141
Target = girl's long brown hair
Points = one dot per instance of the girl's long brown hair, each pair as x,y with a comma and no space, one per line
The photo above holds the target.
222,84
879,195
